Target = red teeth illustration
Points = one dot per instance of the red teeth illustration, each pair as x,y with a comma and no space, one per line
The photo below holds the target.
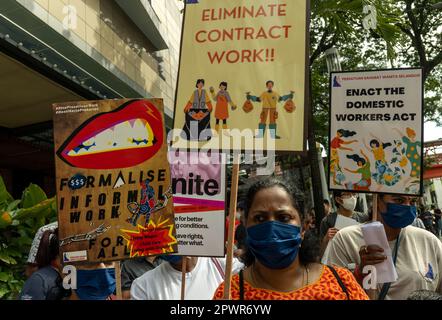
123,138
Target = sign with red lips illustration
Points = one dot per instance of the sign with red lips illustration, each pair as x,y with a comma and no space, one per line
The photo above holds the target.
113,180
122,138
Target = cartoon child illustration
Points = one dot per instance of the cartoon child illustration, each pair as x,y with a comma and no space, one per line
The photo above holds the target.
384,175
412,152
336,144
364,169
269,100
197,112
223,100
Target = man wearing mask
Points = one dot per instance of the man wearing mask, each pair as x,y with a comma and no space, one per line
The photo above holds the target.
418,253
346,204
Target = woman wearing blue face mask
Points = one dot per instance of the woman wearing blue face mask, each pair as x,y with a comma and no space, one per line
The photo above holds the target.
95,282
417,253
281,266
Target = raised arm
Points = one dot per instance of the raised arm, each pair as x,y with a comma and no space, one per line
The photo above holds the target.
364,155
366,145
349,142
402,134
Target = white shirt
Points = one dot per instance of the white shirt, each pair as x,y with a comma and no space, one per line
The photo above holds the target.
164,282
419,259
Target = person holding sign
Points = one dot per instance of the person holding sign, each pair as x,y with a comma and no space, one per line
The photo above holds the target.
279,267
417,254
269,100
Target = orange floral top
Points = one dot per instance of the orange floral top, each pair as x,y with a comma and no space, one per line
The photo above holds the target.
325,288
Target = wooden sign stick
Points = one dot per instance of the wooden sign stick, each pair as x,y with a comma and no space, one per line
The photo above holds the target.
372,294
375,208
118,280
231,231
183,278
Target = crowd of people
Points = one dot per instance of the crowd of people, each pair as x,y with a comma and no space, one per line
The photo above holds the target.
279,254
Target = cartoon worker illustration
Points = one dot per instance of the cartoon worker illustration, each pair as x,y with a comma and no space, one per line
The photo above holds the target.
384,175
363,169
269,100
337,144
223,100
146,205
412,152
198,110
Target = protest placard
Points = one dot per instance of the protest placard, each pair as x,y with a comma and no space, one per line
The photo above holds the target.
113,180
198,185
376,131
242,77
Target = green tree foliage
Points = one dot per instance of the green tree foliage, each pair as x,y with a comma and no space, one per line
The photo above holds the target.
19,221
420,45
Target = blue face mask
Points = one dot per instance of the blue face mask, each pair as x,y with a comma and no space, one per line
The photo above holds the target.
399,216
172,259
97,284
274,244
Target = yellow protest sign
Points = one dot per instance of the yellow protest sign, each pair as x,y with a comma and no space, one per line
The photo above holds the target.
242,78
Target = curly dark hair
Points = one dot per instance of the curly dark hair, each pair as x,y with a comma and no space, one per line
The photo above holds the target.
310,249
346,133
377,144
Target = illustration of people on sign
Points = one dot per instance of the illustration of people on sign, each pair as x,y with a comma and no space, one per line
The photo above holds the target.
148,203
337,144
384,175
198,110
364,169
412,151
223,100
269,100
